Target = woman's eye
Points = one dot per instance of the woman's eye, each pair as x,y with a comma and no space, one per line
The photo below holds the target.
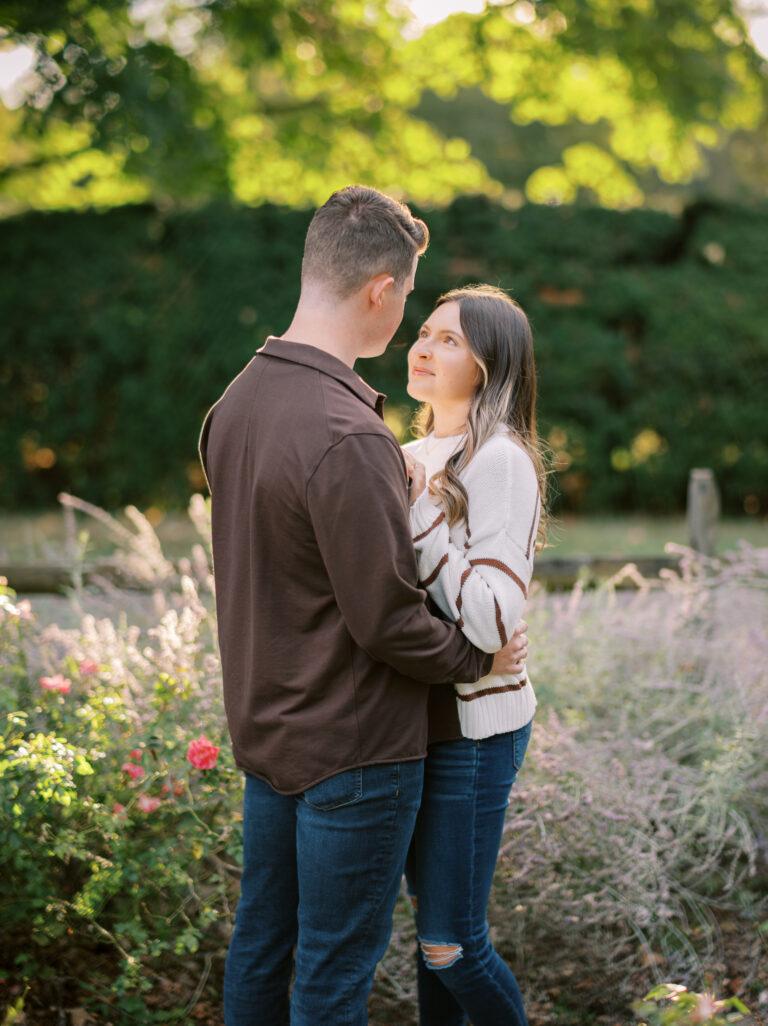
451,340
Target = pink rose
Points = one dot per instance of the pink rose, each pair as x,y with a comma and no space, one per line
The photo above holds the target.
88,667
118,809
148,804
134,772
56,683
136,754
202,754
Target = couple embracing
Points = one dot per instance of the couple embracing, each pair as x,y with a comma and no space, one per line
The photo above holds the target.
369,601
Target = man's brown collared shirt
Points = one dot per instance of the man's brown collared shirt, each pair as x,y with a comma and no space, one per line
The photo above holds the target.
327,645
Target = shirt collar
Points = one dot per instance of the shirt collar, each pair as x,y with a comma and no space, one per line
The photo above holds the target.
311,356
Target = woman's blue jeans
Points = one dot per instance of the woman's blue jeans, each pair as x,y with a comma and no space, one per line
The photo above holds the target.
449,872
321,874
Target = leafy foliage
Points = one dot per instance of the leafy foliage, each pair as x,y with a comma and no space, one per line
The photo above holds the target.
674,1005
650,334
282,102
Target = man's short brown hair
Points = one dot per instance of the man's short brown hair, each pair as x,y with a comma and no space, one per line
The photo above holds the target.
359,233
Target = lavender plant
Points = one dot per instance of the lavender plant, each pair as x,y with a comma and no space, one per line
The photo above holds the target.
640,817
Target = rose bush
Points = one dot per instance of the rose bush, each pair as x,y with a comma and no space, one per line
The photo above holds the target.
119,813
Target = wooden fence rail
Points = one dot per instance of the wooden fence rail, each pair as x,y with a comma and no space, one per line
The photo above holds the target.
553,572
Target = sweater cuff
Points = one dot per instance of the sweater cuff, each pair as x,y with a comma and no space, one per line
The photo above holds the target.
424,514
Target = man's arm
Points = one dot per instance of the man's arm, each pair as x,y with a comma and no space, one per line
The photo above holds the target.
358,505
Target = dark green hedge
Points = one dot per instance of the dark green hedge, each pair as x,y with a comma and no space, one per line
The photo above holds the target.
117,330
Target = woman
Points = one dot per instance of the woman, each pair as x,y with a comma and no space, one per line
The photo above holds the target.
474,528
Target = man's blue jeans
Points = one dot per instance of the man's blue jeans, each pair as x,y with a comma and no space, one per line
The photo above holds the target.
321,873
450,872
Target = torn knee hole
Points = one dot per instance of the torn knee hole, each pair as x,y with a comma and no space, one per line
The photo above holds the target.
440,956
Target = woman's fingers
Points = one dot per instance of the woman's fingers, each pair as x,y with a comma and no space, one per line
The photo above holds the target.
417,481
511,658
518,648
417,476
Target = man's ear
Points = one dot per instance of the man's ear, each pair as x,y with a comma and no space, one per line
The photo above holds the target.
378,287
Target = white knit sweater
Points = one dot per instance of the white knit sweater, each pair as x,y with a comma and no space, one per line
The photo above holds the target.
479,575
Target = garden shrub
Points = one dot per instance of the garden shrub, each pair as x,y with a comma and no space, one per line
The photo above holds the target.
118,806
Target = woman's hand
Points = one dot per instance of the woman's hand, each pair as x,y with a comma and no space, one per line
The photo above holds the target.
511,658
417,477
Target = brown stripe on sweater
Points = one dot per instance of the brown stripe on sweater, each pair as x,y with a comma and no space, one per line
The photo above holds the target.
498,565
433,576
469,535
459,599
431,527
533,524
500,624
493,691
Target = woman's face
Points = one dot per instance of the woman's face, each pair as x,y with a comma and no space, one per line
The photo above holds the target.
441,367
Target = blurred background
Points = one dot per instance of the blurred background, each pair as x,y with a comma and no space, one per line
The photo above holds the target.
605,161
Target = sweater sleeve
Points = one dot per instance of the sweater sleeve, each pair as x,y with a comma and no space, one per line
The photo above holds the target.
483,586
358,503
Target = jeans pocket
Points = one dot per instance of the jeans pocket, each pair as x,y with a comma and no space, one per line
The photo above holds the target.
334,792
520,744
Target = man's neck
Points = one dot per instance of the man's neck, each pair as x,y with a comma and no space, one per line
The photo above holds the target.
327,329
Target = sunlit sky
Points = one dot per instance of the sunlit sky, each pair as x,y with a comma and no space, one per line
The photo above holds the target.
430,11
16,62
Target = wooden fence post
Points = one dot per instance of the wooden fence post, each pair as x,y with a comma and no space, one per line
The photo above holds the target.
703,510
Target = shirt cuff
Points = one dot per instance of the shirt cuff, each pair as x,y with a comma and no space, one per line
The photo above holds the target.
424,512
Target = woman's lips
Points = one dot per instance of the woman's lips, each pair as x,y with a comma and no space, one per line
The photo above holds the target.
420,370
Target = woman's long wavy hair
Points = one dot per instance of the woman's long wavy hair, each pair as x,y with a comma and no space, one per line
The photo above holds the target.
501,342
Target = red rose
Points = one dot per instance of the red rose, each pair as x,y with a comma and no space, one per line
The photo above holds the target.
202,754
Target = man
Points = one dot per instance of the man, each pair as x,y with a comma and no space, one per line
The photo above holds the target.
327,646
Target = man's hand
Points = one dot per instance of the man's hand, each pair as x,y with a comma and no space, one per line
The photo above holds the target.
417,477
511,658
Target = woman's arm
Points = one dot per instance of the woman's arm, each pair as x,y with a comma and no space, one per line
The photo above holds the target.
483,586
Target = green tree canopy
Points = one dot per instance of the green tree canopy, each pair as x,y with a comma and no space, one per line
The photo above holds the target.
283,100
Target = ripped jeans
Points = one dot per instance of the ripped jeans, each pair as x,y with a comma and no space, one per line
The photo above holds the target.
449,872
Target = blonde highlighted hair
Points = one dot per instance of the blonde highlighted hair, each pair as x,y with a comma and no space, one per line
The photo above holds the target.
501,342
